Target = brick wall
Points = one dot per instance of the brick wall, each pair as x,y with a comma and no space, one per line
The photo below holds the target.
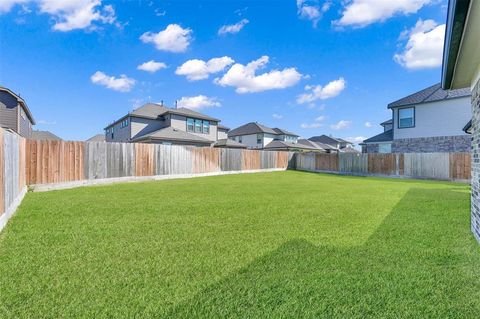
440,144
370,148
476,161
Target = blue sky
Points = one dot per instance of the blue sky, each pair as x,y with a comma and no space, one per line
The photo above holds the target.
319,67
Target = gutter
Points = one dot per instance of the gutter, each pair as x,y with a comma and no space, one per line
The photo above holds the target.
456,20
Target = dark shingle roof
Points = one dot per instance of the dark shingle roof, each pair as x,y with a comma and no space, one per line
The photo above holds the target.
223,127
228,143
251,128
44,136
329,140
382,137
390,121
468,127
283,132
153,111
276,144
97,138
317,145
172,134
430,94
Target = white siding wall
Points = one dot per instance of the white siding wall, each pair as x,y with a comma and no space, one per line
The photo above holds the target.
221,135
144,126
387,127
249,140
442,118
267,138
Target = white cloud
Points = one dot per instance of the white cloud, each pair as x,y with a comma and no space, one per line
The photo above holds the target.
198,102
233,28
277,116
318,92
173,39
243,77
310,10
341,125
424,47
368,124
121,84
360,13
151,66
355,139
70,15
317,123
196,69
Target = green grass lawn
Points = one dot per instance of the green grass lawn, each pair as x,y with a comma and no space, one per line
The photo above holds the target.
274,245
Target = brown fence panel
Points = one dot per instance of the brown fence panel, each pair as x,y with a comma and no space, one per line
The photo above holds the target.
144,159
52,161
282,160
250,159
206,160
326,162
460,165
384,164
22,145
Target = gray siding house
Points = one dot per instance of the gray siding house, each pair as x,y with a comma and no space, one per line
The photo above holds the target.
14,113
155,123
431,120
333,144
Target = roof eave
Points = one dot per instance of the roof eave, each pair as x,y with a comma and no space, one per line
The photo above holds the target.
456,19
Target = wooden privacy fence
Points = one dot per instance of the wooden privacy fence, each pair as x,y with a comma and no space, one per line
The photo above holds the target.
59,161
12,172
442,166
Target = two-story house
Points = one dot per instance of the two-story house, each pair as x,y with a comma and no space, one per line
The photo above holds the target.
431,120
14,113
258,136
155,123
336,143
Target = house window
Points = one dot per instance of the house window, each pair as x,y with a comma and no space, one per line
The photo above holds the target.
206,127
190,125
124,123
239,139
198,126
385,148
406,117
259,138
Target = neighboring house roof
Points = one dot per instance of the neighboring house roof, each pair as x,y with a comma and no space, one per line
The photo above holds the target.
329,140
251,128
97,138
390,121
276,144
386,136
172,134
284,132
222,127
317,145
21,101
154,111
228,143
44,136
349,150
430,94
468,127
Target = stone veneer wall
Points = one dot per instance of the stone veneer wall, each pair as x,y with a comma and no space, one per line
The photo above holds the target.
476,161
440,144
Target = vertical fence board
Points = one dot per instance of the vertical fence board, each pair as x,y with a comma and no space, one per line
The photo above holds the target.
2,176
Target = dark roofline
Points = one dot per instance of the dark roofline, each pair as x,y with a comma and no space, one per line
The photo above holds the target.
467,127
372,139
21,101
390,121
456,19
150,138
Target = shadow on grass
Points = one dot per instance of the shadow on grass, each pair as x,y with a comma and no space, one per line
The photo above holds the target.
421,262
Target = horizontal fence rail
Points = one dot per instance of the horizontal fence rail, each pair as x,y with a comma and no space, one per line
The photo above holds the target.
441,166
60,161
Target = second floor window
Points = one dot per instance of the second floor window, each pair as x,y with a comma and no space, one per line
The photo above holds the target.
198,126
190,125
259,138
406,117
206,127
